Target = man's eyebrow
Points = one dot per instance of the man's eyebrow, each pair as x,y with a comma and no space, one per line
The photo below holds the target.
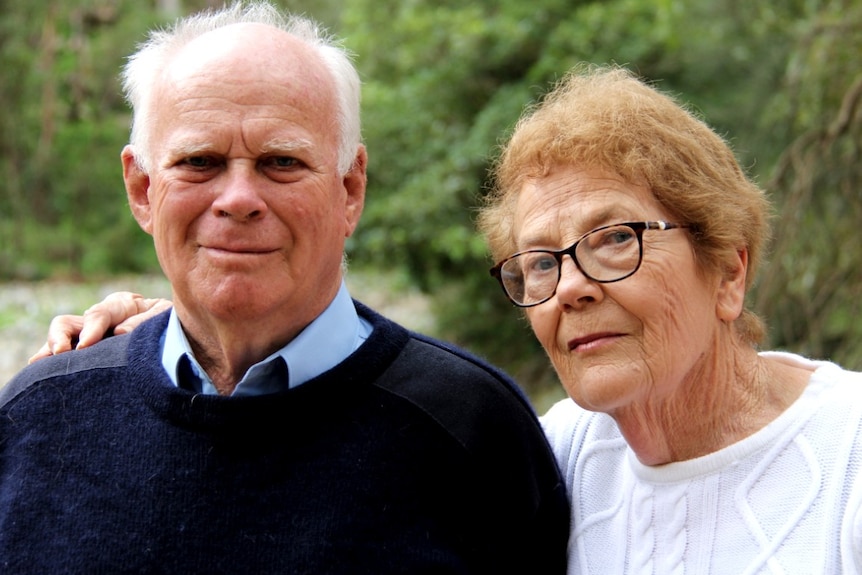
193,147
288,146
189,148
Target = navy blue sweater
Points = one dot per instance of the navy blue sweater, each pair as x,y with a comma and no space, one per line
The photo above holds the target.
409,457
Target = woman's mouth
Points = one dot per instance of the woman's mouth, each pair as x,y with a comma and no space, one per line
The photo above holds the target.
591,341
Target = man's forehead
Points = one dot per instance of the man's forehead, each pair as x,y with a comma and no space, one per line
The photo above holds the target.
247,83
235,37
249,50
248,64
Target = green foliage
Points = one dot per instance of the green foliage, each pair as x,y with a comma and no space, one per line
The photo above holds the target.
812,290
444,82
62,211
63,124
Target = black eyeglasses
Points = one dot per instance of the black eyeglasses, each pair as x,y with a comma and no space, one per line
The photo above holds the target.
607,254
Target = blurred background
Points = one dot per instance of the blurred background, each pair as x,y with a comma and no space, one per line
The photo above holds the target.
444,82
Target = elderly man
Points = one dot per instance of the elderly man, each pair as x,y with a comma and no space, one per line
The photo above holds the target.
268,423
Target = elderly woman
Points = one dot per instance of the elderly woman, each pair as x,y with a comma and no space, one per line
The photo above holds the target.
629,234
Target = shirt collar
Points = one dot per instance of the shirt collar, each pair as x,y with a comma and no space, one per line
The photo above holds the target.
324,343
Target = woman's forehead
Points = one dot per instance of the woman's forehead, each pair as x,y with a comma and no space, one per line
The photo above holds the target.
566,204
580,193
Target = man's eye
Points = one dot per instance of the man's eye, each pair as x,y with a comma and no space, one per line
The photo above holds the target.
199,162
282,162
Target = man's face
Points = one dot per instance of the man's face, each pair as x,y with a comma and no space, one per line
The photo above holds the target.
244,200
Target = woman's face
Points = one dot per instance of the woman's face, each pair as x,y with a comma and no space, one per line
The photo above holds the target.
635,341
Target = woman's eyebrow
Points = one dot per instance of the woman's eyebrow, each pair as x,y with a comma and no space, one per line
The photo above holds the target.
606,215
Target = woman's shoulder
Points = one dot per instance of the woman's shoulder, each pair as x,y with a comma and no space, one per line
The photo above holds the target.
825,376
824,366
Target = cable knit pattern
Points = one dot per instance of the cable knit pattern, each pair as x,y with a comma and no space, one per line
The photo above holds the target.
787,499
642,528
676,534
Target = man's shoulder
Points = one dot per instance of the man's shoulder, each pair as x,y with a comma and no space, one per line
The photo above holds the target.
109,353
475,402
420,366
456,362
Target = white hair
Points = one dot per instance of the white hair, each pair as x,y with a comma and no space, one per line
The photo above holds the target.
143,67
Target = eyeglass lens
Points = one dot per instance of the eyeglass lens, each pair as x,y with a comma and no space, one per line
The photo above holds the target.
604,255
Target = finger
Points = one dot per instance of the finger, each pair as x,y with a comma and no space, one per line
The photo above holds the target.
44,351
149,308
109,312
63,333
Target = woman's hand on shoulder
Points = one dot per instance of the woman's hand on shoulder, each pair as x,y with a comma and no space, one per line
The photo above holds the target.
120,312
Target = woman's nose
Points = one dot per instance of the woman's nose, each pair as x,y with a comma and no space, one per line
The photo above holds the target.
575,289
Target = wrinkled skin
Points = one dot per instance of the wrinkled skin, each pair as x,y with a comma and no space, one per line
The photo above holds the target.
649,348
248,210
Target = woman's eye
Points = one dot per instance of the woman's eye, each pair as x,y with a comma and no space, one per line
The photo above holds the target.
541,263
619,237
612,237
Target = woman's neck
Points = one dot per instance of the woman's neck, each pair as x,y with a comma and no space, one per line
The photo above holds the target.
728,397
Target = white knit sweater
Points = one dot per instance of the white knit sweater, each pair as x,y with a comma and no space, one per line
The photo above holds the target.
784,500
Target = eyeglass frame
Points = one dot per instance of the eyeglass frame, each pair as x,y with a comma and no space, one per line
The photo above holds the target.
637,227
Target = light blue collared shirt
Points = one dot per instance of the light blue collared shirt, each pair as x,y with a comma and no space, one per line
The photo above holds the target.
323,344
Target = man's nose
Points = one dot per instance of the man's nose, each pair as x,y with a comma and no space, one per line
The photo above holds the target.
240,194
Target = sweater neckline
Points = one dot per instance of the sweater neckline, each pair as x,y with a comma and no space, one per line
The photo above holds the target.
361,369
767,438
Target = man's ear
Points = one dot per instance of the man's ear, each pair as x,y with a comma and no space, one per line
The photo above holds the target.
731,288
354,184
137,189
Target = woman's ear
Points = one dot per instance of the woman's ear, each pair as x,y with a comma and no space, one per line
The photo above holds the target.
137,189
731,288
